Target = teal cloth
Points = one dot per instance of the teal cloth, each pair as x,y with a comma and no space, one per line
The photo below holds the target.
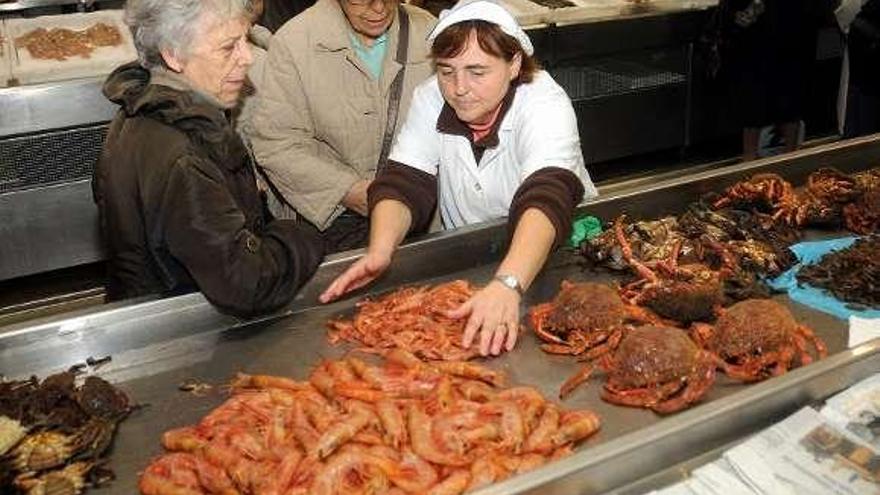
816,298
371,56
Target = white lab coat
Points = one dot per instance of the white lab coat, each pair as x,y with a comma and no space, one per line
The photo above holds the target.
539,130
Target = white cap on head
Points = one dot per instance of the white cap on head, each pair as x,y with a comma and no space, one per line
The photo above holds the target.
482,10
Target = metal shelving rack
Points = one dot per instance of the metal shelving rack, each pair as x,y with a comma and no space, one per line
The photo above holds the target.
26,5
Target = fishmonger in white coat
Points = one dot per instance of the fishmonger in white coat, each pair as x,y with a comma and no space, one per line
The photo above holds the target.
491,135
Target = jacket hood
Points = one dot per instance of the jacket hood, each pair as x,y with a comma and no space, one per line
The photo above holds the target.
130,87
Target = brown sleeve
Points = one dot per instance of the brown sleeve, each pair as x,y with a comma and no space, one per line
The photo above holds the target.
553,190
412,187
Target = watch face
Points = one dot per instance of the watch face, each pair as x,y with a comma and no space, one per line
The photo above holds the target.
509,281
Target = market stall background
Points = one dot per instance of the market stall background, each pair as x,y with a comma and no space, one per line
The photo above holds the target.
646,90
158,344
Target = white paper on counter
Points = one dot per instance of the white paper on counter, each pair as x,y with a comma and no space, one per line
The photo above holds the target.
856,410
806,454
721,478
681,488
862,330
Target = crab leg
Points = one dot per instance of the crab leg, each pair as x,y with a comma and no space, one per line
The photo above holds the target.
697,386
611,342
641,397
564,349
626,250
821,348
670,265
575,380
751,370
537,315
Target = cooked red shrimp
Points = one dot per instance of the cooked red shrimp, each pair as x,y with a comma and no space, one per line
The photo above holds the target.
470,370
454,484
423,442
341,432
392,422
540,438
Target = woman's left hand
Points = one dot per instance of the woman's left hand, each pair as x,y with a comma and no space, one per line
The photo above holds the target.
494,312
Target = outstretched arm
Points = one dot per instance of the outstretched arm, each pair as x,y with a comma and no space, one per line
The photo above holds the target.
389,222
494,310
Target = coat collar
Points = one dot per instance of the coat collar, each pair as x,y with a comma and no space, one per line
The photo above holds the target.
167,98
448,122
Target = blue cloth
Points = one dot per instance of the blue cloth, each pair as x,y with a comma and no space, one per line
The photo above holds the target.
819,299
371,56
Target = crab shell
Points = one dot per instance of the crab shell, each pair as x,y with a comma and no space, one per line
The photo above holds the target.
51,448
651,355
832,186
687,300
67,481
585,306
99,398
42,450
11,432
752,327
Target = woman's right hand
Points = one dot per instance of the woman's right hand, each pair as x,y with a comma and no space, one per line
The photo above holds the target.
361,273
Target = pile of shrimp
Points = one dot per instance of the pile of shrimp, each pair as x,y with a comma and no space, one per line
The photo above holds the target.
402,426
411,318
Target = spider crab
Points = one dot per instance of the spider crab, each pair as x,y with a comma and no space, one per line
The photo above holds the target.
584,317
684,293
822,200
759,244
656,367
763,192
651,240
862,216
756,339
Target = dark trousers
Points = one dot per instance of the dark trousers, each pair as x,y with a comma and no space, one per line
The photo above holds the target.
349,231
862,113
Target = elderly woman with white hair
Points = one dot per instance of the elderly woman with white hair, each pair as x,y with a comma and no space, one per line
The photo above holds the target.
175,187
490,136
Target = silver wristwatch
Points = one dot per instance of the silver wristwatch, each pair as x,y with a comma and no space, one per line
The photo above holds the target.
510,282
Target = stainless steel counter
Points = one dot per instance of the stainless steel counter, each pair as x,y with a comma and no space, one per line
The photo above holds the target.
17,6
159,343
58,105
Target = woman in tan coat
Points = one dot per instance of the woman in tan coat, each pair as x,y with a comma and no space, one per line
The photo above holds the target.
326,107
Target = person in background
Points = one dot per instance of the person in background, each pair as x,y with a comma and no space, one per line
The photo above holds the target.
490,136
277,12
769,63
335,80
176,194
860,21
258,40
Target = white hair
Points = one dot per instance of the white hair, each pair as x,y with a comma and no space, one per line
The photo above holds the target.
172,25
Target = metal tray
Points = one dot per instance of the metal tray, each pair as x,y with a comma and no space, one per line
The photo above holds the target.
28,70
157,344
586,11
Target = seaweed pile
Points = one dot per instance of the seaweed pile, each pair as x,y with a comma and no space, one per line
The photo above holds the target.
851,274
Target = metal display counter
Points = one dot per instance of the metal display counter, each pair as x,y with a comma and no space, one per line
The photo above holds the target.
157,344
19,6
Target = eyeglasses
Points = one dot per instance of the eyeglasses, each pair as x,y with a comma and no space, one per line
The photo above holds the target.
364,3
